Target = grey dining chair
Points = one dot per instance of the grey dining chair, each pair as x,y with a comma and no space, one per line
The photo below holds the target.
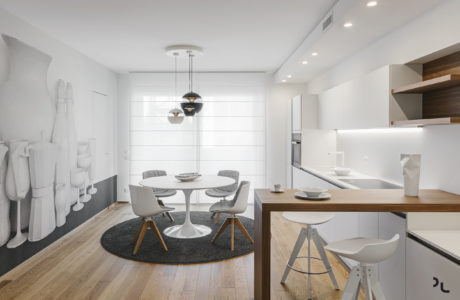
223,192
144,207
160,193
236,206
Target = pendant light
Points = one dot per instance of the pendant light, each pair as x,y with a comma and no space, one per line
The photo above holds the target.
175,115
192,103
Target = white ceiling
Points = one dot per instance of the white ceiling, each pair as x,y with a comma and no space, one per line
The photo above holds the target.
237,35
338,43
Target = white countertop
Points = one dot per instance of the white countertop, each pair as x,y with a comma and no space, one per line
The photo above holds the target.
329,175
446,240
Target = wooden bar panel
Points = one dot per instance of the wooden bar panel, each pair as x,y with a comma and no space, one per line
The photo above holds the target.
441,103
449,64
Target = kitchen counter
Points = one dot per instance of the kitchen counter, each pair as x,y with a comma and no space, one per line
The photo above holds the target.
327,174
446,240
342,200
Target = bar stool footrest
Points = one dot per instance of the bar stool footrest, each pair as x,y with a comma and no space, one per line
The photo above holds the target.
308,273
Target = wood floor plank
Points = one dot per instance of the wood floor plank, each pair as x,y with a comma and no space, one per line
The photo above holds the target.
77,267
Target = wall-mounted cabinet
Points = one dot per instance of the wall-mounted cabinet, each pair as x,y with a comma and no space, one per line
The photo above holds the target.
367,101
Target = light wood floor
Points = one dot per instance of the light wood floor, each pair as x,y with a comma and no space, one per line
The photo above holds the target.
77,267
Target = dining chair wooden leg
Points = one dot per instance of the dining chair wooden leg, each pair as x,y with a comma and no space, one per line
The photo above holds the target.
155,230
243,230
233,234
169,216
217,218
137,234
212,215
161,204
141,237
221,229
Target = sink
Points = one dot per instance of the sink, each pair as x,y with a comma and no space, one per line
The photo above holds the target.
371,184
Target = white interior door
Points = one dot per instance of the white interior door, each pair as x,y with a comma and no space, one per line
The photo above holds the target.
103,132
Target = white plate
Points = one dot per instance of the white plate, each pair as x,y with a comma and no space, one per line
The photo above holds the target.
302,195
278,191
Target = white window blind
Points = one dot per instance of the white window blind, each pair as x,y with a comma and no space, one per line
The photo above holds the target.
229,132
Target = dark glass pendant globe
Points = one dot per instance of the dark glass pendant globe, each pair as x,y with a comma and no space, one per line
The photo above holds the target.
192,97
191,108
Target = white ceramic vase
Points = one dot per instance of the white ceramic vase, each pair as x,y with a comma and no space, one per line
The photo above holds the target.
42,165
72,136
26,109
61,139
5,227
411,172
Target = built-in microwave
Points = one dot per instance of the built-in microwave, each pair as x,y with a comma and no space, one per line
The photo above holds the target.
296,149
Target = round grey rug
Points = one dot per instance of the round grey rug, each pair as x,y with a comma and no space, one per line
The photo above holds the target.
117,240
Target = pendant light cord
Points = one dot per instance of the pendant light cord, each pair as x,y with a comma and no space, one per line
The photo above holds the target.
175,77
190,71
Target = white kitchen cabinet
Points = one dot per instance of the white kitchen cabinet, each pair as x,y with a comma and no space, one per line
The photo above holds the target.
367,101
330,109
296,113
392,272
429,275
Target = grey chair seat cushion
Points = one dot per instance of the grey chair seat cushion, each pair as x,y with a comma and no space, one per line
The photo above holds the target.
164,193
217,193
221,206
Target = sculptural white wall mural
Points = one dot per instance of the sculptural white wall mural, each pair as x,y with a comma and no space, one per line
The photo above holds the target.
4,201
17,183
39,154
61,139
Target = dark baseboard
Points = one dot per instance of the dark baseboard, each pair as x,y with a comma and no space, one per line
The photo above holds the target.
105,196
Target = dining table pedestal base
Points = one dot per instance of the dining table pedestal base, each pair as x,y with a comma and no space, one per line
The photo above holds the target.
187,231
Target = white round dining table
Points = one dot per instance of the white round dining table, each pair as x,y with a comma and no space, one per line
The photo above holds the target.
188,230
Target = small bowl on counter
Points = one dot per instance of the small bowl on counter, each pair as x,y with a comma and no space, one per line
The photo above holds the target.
340,171
313,192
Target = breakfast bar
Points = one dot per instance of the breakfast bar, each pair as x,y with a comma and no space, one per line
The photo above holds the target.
346,200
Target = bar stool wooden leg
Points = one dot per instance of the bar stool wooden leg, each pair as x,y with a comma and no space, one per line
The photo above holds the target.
322,253
295,252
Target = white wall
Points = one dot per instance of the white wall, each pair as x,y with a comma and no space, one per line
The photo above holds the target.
85,74
377,153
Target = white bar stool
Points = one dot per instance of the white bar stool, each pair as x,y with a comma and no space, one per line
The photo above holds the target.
365,251
309,233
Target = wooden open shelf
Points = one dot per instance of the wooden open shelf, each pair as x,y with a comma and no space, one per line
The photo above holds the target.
441,82
426,122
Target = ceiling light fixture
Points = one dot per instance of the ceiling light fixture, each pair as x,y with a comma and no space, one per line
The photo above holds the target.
347,24
304,62
192,103
314,54
284,80
371,3
176,115
289,76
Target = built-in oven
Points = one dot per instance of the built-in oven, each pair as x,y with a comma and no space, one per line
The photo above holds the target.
296,149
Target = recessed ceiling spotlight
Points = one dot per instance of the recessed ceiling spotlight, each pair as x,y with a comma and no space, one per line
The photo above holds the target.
304,62
347,24
289,76
284,80
371,3
314,54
